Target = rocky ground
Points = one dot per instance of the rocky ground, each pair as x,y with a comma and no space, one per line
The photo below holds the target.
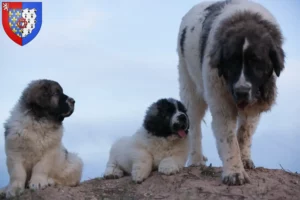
191,183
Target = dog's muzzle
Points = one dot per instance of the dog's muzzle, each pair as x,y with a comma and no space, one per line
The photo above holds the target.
181,125
71,103
242,95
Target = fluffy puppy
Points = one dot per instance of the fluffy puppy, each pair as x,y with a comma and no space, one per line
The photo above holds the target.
160,143
230,55
36,157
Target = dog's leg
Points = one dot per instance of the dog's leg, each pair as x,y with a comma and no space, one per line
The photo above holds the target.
196,108
40,172
112,170
247,126
224,125
17,175
141,166
173,164
70,172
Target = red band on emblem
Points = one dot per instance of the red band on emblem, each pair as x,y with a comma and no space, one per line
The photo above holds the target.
5,21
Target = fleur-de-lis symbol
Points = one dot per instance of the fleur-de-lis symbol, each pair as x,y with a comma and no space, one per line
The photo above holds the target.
5,6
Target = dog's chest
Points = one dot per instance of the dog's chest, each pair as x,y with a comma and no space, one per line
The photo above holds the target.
31,143
163,149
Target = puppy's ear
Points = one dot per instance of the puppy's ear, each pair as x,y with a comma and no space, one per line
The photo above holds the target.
216,58
161,104
277,57
37,95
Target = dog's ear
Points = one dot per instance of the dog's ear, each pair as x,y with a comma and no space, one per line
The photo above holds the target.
38,95
161,104
216,58
277,57
151,120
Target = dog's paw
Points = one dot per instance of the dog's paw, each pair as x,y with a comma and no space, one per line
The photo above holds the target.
196,159
237,177
38,182
139,174
168,166
14,189
248,164
113,173
51,182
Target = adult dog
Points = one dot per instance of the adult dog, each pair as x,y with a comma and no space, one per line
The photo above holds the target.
230,55
160,143
35,154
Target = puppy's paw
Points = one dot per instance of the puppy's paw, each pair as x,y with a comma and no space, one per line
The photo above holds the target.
248,164
196,159
14,189
139,174
38,182
113,173
51,182
168,166
236,177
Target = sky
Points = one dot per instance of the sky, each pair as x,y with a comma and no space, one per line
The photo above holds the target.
117,57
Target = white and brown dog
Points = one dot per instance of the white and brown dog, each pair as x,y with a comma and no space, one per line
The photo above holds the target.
36,157
160,143
230,55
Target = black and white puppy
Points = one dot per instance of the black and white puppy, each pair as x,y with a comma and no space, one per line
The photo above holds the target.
160,143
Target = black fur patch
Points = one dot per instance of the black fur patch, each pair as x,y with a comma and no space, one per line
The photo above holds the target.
212,12
182,40
158,117
6,130
181,107
66,153
193,28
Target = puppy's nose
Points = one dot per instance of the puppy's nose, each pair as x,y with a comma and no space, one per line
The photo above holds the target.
71,100
242,93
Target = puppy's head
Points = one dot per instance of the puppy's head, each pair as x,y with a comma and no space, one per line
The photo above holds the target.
46,99
167,117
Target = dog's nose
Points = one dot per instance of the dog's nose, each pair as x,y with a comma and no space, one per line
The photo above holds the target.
71,100
242,93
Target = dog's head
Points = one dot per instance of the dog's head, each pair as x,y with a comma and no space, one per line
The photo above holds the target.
167,117
246,56
46,99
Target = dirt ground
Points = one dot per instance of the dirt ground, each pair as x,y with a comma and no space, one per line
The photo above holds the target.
191,183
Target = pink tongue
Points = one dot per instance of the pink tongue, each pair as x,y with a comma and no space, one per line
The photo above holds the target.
181,133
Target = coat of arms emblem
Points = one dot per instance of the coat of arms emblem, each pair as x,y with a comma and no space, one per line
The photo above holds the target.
22,21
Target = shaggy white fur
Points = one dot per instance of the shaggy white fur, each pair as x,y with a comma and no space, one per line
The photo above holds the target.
36,155
142,152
